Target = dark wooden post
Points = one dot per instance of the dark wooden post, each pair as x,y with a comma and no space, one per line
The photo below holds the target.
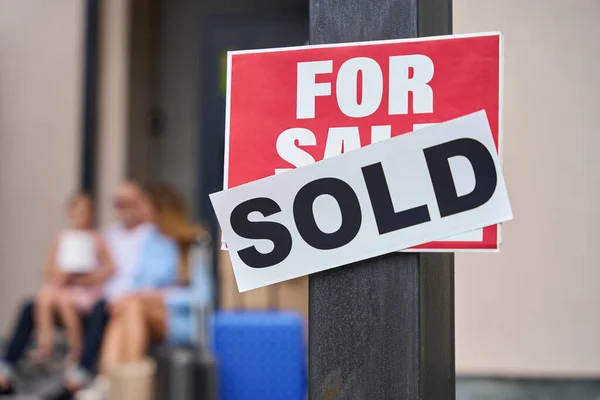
382,328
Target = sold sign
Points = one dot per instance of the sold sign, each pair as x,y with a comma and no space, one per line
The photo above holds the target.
289,108
411,189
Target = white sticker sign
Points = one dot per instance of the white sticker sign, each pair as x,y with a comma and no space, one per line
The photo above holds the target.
391,195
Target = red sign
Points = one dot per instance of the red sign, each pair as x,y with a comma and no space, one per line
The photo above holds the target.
290,107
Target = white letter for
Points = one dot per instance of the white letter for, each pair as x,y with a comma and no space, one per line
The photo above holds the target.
401,84
308,89
372,87
341,140
287,150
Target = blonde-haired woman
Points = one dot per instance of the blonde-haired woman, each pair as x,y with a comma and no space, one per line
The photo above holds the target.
153,314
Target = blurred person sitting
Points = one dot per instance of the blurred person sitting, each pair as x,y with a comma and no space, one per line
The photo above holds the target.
126,240
152,313
78,265
152,267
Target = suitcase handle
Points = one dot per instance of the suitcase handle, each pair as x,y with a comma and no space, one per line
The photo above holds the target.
202,289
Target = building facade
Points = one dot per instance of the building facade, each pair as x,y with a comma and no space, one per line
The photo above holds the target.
528,311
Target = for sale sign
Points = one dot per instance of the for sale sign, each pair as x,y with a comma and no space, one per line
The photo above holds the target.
291,107
395,194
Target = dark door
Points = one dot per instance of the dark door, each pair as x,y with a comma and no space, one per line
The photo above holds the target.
218,34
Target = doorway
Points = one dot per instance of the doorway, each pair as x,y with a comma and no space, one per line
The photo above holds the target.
193,41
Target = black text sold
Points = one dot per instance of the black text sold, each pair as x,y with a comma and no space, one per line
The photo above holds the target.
272,226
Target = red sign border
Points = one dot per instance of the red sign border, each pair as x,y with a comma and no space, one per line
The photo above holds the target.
451,245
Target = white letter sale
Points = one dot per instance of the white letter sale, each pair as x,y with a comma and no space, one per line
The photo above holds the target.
286,147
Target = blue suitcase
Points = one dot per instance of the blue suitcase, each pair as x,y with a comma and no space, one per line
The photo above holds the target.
261,355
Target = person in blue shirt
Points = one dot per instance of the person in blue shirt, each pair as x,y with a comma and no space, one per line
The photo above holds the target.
159,305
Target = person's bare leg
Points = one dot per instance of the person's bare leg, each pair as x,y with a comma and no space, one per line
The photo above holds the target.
72,322
110,354
45,303
145,321
138,336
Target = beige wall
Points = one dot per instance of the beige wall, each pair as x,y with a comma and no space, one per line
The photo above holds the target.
126,146
40,91
113,102
533,309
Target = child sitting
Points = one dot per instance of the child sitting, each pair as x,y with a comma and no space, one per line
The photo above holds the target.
77,267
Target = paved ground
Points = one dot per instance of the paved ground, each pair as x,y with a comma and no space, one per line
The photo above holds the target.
38,383
514,389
